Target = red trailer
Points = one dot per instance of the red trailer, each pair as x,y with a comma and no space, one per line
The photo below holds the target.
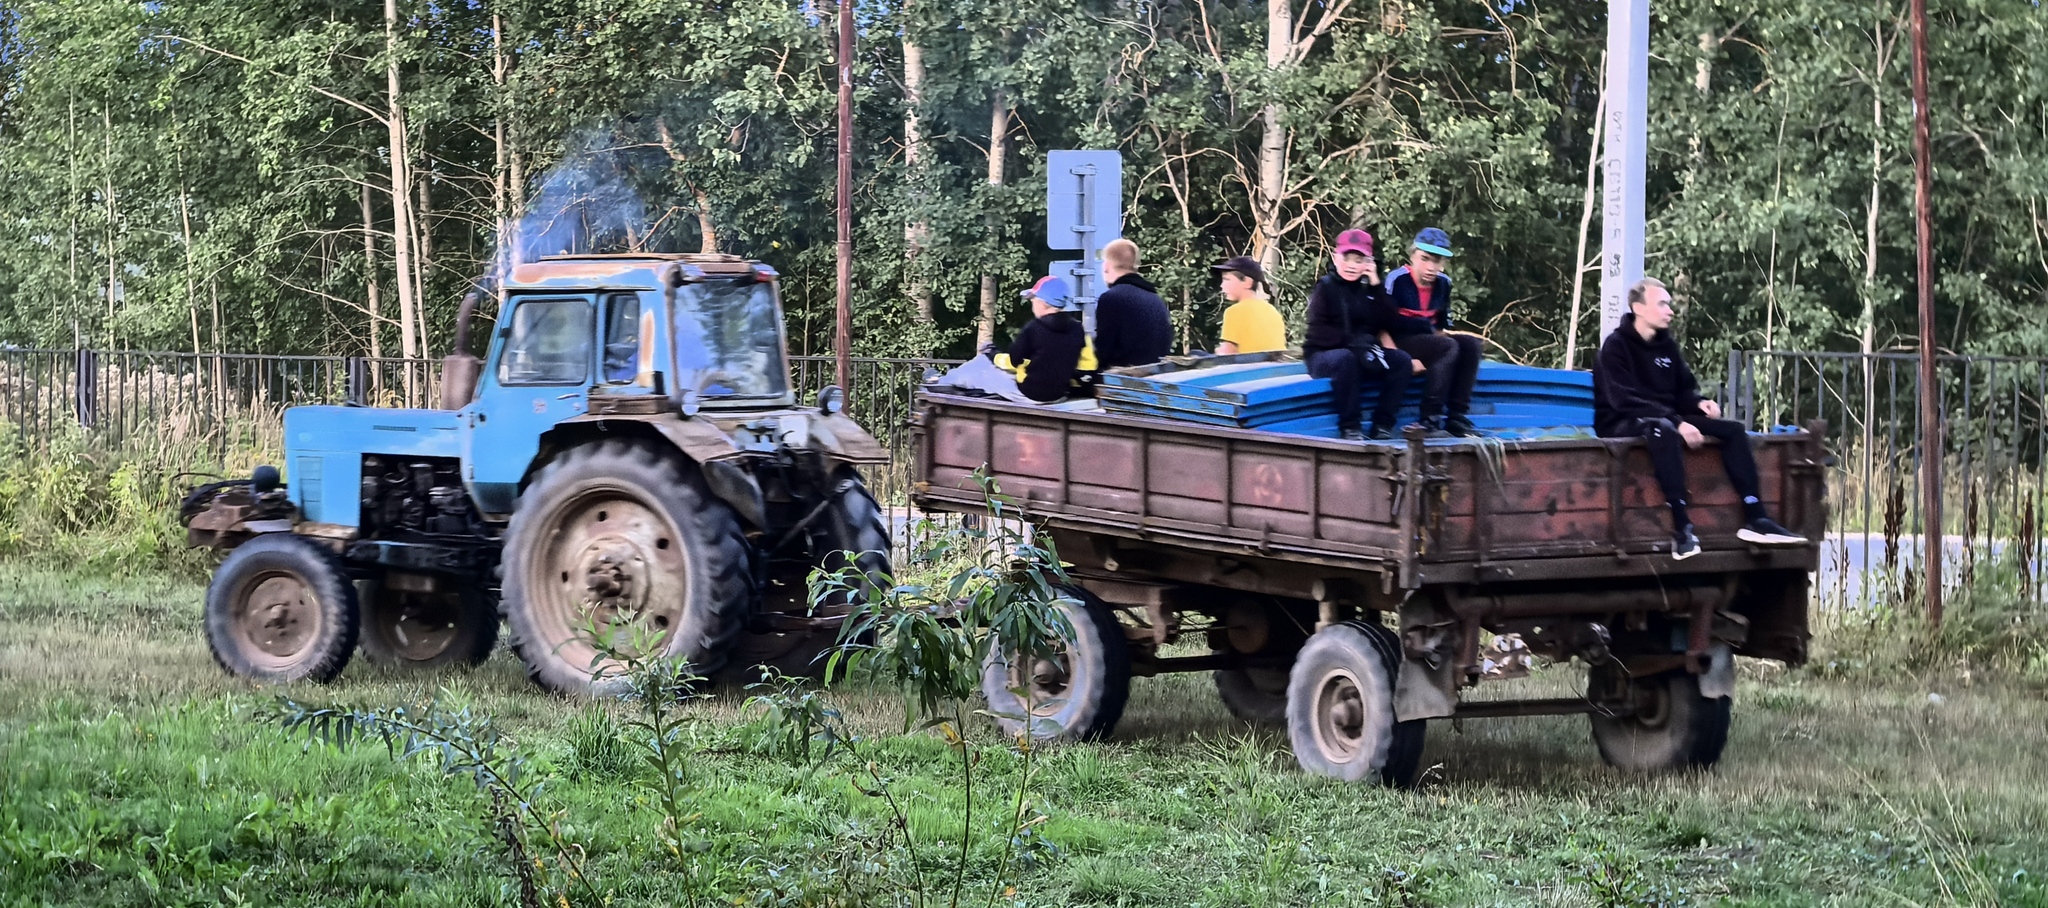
1353,591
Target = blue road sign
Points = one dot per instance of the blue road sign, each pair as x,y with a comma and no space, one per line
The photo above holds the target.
1084,199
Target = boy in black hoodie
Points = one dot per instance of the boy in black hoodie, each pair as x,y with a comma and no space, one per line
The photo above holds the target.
1052,357
1132,326
1642,387
1345,316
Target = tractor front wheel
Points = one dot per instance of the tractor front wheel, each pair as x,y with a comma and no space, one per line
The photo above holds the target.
280,609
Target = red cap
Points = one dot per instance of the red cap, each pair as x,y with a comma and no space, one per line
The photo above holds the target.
1355,240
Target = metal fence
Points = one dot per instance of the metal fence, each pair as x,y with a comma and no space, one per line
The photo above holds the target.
1995,427
219,400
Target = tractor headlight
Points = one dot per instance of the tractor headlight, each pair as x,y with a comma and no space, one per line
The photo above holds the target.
831,400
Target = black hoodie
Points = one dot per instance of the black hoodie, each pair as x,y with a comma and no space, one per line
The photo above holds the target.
1343,313
1131,324
1641,379
1052,358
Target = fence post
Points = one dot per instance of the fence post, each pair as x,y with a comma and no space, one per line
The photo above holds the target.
358,381
85,391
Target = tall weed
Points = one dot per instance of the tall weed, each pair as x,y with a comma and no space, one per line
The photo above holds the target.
80,499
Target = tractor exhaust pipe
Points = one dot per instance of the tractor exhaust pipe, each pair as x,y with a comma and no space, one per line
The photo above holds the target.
459,369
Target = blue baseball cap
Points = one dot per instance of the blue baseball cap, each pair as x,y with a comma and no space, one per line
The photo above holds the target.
1053,291
1434,241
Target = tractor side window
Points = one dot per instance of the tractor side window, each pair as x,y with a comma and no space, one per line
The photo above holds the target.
548,344
621,338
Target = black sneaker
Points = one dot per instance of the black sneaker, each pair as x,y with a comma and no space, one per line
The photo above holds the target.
1433,427
1765,531
1381,432
1351,435
1461,427
1684,544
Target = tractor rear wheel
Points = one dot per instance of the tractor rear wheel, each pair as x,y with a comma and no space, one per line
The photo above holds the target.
617,553
428,629
279,609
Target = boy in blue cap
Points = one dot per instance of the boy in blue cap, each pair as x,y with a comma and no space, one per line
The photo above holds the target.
1052,357
1419,294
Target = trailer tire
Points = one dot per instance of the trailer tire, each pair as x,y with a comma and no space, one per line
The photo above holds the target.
427,630
1089,683
1255,695
281,609
1340,707
1671,728
674,555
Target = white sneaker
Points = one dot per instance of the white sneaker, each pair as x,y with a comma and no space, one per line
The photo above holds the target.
1765,531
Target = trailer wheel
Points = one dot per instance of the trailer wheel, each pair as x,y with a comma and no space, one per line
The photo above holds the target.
1255,695
279,609
1671,725
852,522
1340,707
614,534
1079,694
428,629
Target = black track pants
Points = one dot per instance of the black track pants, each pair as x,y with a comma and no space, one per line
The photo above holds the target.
1453,364
1348,372
1667,454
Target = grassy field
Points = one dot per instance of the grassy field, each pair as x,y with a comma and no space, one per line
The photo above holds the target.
133,772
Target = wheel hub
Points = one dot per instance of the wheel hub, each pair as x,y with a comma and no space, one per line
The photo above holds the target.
279,616
613,562
1339,716
420,626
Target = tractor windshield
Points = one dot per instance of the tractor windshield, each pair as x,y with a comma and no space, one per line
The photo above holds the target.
729,340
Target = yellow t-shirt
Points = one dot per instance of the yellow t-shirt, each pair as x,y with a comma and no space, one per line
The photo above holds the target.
1254,326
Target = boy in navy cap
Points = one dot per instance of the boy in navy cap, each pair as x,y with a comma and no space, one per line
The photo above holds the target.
1419,294
1052,357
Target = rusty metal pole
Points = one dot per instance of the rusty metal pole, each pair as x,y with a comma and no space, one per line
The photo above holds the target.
1930,377
842,340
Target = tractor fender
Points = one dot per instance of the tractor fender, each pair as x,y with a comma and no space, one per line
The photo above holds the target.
839,436
703,443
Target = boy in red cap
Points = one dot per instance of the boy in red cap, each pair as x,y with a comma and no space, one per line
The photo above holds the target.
1345,317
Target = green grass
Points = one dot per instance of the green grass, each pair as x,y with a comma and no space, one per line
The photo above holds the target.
134,772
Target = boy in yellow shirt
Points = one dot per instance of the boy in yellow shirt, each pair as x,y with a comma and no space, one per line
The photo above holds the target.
1250,323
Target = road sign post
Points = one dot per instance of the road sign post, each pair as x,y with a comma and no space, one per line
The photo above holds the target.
1083,210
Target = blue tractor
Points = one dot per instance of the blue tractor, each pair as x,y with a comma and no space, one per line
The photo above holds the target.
627,462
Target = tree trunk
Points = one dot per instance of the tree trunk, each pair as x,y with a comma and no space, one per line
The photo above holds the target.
501,199
371,290
401,184
113,219
185,225
423,228
1579,269
998,141
1273,139
916,231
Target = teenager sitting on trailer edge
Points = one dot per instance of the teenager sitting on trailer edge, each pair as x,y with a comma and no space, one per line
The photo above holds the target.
1420,295
1642,387
1052,357
1345,313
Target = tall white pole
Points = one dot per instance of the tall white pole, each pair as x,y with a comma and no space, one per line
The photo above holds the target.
1628,120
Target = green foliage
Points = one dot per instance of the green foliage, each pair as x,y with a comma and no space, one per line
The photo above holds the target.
193,175
110,504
